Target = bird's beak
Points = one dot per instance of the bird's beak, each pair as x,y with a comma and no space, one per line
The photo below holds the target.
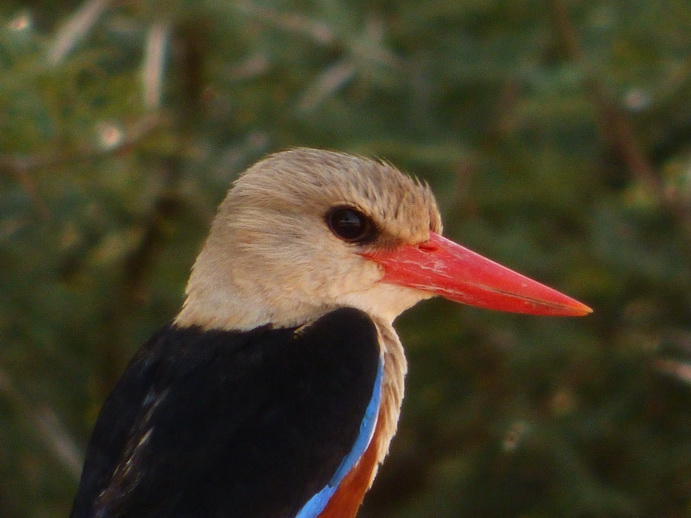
445,268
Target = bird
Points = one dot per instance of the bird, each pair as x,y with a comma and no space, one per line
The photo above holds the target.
276,390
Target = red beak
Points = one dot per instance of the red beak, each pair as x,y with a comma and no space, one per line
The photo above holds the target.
445,268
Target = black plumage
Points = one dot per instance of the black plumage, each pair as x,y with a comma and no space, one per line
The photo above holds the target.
230,423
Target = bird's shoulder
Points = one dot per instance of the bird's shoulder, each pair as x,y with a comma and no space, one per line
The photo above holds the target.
255,421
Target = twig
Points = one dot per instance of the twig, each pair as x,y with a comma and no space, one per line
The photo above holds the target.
74,30
613,122
137,266
329,81
15,165
47,428
154,64
18,168
369,45
676,369
319,32
21,167
135,275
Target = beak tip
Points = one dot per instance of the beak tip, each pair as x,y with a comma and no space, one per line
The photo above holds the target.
581,310
569,307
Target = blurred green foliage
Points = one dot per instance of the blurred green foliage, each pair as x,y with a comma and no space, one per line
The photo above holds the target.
556,134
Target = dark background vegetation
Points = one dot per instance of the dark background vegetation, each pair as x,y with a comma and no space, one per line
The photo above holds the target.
556,134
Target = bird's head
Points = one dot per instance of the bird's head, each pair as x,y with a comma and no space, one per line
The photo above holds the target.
305,231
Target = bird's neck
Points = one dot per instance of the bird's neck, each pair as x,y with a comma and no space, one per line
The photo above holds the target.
218,297
393,387
210,308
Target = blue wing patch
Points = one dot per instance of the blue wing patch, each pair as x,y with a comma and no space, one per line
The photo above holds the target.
317,503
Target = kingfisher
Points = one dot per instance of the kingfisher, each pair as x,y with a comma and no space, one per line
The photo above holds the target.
276,390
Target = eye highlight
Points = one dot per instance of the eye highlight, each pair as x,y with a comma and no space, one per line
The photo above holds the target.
350,225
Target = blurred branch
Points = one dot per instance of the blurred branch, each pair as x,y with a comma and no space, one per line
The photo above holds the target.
337,75
189,56
74,30
317,31
674,368
135,275
15,165
47,428
368,44
615,126
112,140
253,66
17,168
371,44
154,64
332,79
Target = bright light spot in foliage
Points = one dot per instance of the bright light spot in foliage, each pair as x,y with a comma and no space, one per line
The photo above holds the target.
21,22
109,134
637,99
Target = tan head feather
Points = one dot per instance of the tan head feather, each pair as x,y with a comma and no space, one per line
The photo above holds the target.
271,258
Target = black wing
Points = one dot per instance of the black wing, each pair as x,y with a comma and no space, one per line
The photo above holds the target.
218,423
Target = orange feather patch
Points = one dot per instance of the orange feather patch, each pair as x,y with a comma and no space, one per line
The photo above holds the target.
347,499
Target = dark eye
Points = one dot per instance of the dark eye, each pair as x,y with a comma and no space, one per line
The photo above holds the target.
350,225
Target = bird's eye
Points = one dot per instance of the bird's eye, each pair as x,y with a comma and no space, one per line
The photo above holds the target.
350,225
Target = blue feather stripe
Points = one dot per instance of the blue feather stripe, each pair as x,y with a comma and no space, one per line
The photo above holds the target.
317,503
